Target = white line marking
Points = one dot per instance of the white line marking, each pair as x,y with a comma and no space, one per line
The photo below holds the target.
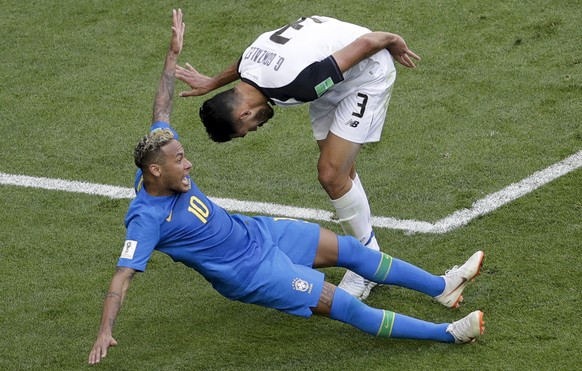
506,195
67,186
457,219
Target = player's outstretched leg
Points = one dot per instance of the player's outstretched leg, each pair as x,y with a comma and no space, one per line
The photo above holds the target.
382,268
384,323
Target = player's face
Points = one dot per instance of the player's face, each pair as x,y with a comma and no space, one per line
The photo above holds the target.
175,169
254,122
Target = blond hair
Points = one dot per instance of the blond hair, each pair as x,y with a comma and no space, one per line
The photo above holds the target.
149,148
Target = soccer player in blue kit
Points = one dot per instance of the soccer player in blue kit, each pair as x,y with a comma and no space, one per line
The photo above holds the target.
345,72
260,260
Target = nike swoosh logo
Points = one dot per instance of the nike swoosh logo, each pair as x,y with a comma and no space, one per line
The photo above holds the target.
169,218
463,281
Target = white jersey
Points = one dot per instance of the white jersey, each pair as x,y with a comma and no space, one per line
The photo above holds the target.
293,65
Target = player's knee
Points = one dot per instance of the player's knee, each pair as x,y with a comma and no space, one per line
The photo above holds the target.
333,181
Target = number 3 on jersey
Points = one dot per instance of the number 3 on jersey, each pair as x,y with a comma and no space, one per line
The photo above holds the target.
198,208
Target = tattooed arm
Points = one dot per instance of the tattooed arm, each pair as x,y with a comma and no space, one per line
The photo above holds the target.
123,275
117,290
163,100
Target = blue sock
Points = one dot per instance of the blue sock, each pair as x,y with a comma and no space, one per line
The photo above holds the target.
382,268
411,328
347,309
377,322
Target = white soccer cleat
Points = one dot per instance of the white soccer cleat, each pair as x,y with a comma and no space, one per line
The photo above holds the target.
356,285
467,329
457,277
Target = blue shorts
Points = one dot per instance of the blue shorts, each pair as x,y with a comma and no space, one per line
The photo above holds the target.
285,279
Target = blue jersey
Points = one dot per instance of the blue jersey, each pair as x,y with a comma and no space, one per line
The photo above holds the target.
259,260
191,229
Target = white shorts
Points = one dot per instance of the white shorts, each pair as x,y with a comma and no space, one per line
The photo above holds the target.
355,109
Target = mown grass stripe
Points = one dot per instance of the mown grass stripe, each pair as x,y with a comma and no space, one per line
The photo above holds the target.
457,219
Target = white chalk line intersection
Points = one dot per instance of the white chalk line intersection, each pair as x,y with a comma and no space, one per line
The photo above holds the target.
453,221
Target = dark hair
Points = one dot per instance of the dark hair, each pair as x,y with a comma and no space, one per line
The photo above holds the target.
217,115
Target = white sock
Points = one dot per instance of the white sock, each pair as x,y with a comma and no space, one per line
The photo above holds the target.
353,212
373,243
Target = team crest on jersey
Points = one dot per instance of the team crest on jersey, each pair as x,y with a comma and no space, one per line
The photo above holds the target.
302,285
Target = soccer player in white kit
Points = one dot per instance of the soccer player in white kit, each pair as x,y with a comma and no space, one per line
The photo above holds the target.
346,73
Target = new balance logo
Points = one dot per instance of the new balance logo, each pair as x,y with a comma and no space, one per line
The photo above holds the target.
353,123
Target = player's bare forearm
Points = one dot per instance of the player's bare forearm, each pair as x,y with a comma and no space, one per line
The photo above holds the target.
230,74
201,84
164,95
371,43
111,305
114,298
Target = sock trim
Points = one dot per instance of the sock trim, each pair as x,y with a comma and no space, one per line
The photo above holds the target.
387,324
383,268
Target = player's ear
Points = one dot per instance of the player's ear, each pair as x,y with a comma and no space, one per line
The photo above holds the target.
245,115
155,170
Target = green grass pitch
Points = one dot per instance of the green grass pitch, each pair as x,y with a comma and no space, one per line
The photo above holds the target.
496,97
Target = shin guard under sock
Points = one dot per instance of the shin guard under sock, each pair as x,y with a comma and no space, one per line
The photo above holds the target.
384,323
411,328
382,268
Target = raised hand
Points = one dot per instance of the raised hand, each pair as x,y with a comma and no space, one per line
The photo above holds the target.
178,28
